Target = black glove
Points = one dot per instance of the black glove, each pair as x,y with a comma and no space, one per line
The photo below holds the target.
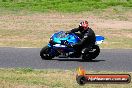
68,32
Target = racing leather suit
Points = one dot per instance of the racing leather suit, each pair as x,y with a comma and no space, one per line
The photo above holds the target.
87,39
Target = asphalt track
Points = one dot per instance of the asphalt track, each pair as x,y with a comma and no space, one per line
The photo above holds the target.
108,60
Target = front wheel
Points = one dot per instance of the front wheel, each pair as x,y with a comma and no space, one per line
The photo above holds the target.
45,53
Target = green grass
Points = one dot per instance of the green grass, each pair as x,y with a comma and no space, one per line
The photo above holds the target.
38,36
62,5
23,23
27,77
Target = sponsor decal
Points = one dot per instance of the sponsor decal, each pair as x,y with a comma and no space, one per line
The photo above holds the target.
83,78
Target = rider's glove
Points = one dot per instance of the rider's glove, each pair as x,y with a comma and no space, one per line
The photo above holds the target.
68,32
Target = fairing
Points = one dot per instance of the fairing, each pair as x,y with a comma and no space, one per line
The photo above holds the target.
62,36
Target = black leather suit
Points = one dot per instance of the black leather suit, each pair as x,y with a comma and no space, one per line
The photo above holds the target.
87,38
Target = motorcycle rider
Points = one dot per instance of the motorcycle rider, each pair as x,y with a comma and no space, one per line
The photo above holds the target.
86,35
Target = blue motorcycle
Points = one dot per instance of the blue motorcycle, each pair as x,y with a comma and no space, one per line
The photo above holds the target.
57,46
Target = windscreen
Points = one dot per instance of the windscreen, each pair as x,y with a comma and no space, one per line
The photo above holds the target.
61,35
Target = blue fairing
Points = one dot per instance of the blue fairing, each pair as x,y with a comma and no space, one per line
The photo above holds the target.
99,39
61,36
71,38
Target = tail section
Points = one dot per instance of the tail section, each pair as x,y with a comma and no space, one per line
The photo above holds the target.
99,39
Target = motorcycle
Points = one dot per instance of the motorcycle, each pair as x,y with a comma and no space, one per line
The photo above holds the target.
57,46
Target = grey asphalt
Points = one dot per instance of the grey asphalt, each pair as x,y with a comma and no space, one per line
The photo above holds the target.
108,60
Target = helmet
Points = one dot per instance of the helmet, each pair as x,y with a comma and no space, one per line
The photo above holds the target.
83,25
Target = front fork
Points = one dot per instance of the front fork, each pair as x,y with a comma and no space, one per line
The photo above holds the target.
49,45
53,52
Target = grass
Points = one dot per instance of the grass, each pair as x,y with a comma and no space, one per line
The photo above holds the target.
62,6
34,30
27,77
113,39
23,23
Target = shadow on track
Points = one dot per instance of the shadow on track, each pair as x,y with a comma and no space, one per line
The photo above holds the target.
78,60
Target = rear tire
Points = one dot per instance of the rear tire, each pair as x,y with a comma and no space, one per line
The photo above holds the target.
95,53
44,53
86,56
90,55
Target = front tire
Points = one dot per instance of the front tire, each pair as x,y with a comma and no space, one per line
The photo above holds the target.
44,53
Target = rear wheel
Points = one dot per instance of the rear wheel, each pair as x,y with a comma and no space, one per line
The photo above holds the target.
92,54
95,51
45,53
